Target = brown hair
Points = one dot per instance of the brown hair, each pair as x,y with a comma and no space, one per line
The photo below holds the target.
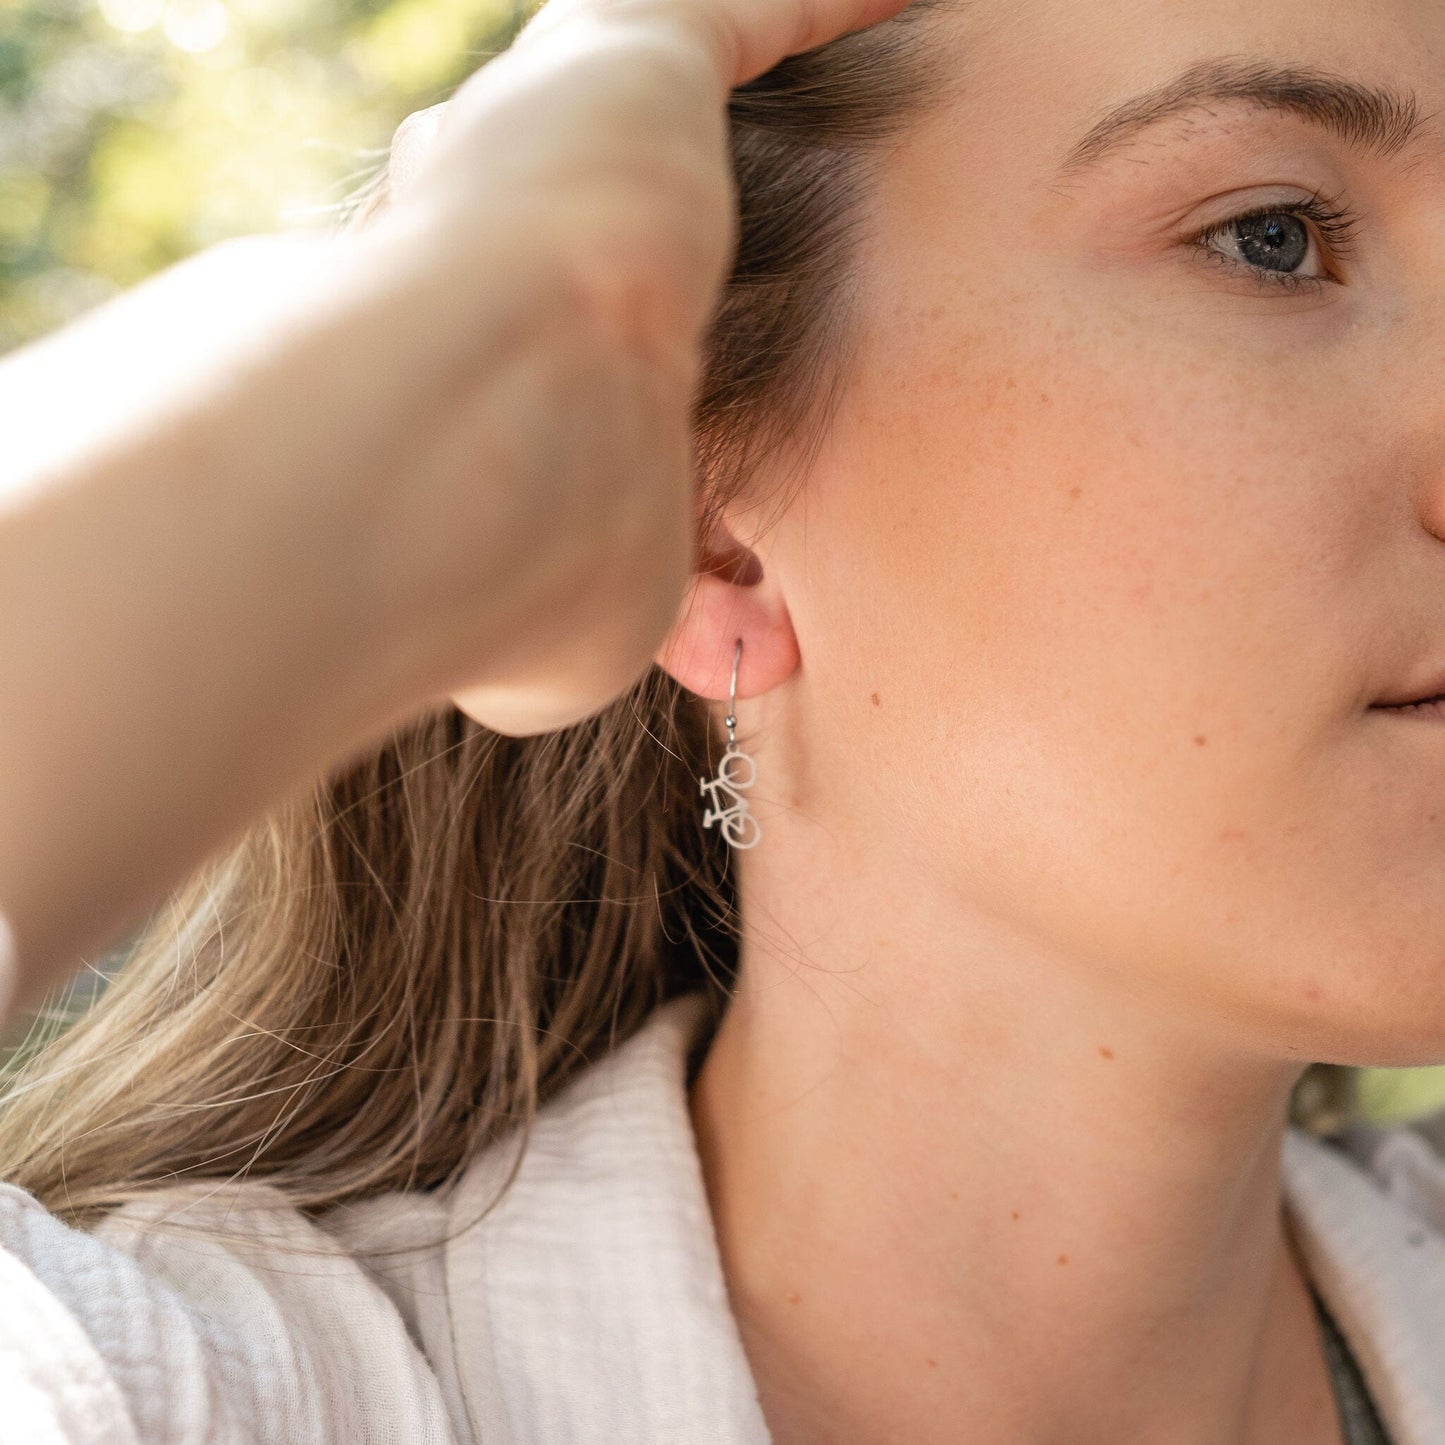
398,967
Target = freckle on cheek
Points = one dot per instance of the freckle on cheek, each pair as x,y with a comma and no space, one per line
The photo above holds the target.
875,699
1063,1259
1106,1052
1200,740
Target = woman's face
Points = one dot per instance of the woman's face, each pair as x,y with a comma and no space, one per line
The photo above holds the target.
1132,510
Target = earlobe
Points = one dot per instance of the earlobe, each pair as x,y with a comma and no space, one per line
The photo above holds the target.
730,596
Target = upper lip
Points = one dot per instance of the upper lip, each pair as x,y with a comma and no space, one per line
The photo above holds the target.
1430,688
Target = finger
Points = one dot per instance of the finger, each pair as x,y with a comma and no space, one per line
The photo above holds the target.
754,35
744,37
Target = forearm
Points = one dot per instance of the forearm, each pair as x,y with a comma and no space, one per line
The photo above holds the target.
198,609
163,672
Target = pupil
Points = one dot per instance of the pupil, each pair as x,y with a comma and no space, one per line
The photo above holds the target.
1278,241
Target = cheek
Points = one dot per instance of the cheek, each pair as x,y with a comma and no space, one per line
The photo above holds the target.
1099,533
1109,606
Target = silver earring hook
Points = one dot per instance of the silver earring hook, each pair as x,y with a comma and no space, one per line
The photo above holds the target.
730,722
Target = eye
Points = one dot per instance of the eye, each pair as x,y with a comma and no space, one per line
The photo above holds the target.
1272,242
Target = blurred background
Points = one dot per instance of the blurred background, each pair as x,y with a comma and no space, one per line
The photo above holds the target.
135,132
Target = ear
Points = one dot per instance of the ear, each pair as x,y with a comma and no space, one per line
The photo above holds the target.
731,596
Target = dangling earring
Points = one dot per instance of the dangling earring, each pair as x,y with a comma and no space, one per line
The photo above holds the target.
735,771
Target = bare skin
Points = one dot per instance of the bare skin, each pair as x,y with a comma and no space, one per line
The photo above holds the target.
1079,832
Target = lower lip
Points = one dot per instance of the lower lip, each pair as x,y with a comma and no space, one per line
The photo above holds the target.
1427,711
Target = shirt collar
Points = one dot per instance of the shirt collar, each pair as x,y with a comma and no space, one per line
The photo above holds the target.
590,1304
1377,1258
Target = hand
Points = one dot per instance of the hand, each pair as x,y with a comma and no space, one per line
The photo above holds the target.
602,132
446,454
606,121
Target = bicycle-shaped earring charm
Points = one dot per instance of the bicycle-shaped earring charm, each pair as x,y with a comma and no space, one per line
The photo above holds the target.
735,771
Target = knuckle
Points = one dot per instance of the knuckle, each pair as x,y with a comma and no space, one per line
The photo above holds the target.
415,131
426,118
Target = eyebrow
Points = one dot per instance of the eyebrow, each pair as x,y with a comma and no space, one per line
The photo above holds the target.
1363,115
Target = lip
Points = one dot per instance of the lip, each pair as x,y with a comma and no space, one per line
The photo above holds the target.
1428,689
1432,711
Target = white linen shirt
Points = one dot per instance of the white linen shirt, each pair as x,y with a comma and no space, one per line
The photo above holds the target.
588,1308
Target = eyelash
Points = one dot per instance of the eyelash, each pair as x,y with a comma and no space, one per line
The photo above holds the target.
1338,225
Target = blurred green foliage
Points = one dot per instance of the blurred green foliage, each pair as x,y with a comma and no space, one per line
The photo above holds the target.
135,132
1391,1096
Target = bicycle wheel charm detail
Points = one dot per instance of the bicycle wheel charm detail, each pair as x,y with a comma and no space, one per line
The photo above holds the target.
735,772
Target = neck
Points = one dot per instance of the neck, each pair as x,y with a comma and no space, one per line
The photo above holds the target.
968,1181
